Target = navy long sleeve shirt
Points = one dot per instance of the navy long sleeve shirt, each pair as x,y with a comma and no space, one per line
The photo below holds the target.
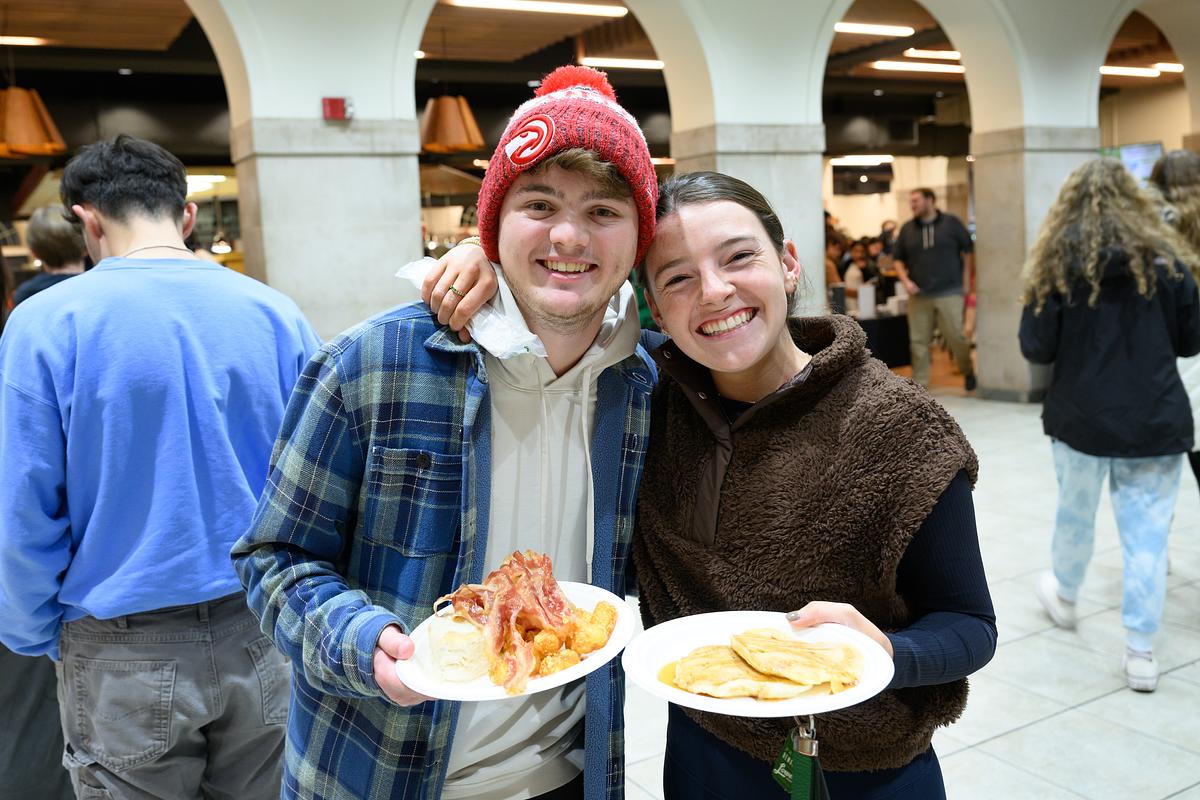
941,577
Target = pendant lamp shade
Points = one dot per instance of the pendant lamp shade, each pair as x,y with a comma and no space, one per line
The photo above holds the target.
448,126
26,128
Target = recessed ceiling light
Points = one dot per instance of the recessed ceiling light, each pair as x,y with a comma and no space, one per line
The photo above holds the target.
939,95
621,63
124,71
533,84
1130,72
862,178
579,9
861,161
945,55
917,66
418,53
24,41
873,30
878,92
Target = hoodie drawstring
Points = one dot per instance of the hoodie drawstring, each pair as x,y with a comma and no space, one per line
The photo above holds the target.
544,470
927,235
585,396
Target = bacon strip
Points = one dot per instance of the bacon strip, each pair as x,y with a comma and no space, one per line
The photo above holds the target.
521,595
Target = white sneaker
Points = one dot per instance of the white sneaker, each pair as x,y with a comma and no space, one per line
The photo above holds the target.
1061,612
1141,670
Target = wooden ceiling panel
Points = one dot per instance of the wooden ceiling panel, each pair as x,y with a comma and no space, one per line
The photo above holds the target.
104,24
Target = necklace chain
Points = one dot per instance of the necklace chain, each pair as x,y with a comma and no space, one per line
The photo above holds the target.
153,246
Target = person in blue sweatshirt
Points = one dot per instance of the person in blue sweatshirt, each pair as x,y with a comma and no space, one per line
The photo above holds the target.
138,406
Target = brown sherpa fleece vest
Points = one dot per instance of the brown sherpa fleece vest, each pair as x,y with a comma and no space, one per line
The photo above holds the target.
812,494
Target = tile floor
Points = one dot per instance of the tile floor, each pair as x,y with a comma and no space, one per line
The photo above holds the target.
1050,716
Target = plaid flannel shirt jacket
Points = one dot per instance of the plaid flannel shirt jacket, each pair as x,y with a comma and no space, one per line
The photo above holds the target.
376,505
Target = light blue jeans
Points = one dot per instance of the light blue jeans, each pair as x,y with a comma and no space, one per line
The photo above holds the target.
1143,494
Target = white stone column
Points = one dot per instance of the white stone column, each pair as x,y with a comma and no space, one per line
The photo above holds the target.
1018,174
329,213
784,163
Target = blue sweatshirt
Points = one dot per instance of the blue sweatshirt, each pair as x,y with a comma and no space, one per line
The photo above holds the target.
138,406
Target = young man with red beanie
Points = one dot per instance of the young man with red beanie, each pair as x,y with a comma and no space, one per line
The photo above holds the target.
410,463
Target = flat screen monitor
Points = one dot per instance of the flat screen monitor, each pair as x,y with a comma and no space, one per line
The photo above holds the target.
1138,158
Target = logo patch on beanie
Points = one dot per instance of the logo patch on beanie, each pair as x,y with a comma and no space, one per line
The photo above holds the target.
530,140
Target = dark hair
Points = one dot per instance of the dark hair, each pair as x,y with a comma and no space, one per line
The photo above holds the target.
1178,167
925,190
712,187
692,188
53,238
126,177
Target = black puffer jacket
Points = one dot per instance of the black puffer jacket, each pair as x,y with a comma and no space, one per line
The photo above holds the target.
1116,390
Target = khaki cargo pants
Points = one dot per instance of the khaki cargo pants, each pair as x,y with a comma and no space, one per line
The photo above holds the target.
180,703
947,311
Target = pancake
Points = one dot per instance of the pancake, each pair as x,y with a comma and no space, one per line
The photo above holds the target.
718,672
776,654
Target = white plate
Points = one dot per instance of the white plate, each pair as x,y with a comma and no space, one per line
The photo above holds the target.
653,649
420,674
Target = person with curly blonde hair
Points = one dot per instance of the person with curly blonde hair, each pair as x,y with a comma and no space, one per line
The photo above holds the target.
1176,178
1111,301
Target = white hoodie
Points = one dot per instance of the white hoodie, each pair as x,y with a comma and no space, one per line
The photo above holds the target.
542,500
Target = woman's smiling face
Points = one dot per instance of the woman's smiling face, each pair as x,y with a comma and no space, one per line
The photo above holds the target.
719,287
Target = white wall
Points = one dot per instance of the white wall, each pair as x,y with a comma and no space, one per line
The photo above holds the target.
863,214
1156,113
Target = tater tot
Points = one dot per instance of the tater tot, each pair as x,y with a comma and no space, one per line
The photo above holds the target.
545,643
605,616
557,662
589,638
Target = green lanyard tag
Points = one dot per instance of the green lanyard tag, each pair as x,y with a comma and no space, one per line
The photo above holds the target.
795,768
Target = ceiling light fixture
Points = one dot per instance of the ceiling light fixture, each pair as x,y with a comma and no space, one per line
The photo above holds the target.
447,124
665,161
621,63
861,161
202,183
945,55
918,66
874,30
26,127
124,71
1168,66
481,163
544,7
418,53
23,41
1130,72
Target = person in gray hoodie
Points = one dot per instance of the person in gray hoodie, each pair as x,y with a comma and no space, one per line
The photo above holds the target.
411,462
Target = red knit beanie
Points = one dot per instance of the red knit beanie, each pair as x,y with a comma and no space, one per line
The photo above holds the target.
574,107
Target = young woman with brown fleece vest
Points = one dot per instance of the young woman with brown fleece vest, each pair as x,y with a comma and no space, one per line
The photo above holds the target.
787,469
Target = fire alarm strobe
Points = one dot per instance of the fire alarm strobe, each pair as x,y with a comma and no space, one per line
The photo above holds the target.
337,109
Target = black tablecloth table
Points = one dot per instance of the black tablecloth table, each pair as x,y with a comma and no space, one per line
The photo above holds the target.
887,339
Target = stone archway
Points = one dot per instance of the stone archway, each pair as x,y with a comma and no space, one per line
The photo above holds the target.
1180,24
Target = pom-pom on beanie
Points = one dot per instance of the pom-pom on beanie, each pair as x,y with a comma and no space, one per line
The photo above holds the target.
575,107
